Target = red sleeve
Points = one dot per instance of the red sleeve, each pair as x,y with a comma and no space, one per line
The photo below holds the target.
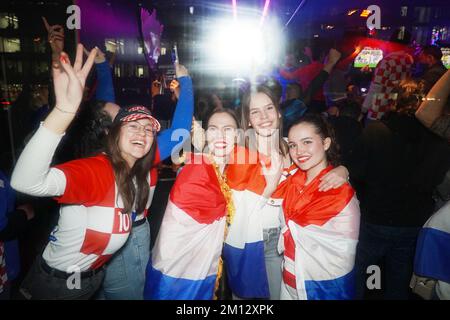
89,182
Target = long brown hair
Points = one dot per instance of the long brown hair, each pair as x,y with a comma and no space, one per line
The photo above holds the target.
125,175
245,113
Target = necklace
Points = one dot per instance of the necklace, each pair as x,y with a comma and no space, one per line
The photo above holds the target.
226,191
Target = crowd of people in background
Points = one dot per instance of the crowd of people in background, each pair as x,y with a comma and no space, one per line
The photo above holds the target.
341,180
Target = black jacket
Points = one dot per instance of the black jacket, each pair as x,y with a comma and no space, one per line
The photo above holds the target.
394,168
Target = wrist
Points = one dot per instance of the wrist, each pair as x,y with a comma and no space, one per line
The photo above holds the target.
66,110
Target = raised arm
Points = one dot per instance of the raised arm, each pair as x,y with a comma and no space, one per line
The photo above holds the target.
32,174
318,82
105,88
432,106
182,118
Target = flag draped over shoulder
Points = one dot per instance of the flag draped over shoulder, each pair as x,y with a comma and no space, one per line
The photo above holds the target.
432,258
320,239
186,253
244,246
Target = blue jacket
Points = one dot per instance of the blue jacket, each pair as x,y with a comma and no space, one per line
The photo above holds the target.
7,205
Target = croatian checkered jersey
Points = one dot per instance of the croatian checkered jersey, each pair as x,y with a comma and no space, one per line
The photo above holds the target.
388,74
92,225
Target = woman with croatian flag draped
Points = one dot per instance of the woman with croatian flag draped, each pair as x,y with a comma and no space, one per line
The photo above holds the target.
321,228
186,259
251,249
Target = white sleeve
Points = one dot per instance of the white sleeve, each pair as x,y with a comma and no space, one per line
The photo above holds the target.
32,174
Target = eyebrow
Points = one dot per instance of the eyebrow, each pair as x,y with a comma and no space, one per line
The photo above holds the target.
289,141
266,105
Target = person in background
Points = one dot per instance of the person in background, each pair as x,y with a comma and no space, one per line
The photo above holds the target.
431,56
306,74
432,252
393,68
293,107
434,111
13,221
395,166
347,127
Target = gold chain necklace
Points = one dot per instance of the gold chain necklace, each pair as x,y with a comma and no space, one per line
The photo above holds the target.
226,191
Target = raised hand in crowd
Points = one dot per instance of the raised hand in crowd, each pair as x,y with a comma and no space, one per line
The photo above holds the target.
331,60
69,82
175,88
180,70
99,57
55,38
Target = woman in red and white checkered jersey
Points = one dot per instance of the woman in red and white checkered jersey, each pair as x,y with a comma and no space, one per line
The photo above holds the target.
98,193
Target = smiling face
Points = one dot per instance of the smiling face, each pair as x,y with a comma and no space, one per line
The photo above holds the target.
308,149
135,140
221,134
263,115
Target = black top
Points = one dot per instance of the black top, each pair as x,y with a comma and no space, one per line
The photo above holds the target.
394,168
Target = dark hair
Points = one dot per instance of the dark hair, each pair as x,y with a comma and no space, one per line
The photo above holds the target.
245,112
125,175
228,111
324,130
294,88
205,104
92,126
275,86
433,50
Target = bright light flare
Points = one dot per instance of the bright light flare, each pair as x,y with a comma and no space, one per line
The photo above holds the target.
244,47
233,3
265,12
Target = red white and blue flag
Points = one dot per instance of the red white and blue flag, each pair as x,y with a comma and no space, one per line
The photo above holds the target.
244,246
432,258
320,239
186,254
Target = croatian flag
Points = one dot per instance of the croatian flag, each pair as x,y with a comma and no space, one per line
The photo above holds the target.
320,240
186,254
432,258
244,246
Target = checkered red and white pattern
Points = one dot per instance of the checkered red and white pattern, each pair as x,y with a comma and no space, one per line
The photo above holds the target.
140,112
3,274
92,226
388,74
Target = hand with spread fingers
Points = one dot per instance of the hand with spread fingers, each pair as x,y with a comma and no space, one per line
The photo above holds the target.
69,80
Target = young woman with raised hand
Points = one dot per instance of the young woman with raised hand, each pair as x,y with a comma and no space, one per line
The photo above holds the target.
98,194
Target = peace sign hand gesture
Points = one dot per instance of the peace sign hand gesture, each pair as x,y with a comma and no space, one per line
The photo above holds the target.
69,80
